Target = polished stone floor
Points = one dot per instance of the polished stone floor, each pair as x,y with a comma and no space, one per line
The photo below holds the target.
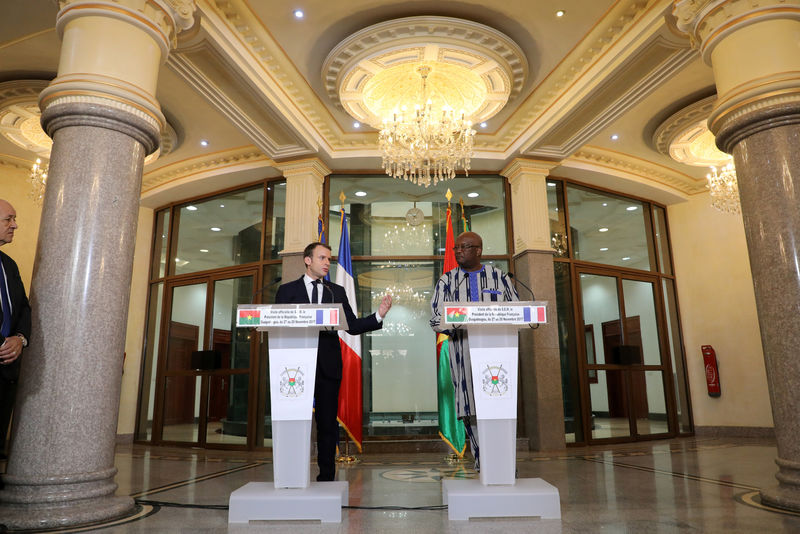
703,485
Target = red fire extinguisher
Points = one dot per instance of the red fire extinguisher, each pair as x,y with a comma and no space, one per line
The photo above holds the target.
712,371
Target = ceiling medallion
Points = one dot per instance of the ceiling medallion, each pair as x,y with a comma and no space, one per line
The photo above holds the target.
422,82
685,137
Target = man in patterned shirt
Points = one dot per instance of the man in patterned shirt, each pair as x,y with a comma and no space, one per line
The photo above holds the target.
471,281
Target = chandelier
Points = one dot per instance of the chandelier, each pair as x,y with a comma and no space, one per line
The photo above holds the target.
425,146
724,189
38,179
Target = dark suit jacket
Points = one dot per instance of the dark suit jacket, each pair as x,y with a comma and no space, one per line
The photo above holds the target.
329,352
21,314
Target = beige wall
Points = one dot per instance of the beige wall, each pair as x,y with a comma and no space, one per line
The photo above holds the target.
717,305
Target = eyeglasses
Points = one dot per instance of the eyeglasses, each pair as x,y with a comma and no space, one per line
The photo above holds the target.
464,247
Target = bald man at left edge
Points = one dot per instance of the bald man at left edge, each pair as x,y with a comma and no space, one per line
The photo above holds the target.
15,325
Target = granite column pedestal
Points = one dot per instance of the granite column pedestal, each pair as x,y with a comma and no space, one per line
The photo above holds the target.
764,146
61,467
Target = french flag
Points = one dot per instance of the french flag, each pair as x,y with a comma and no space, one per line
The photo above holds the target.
350,412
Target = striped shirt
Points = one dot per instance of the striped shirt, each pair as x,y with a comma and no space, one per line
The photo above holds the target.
489,284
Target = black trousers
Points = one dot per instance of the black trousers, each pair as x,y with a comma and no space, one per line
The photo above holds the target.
326,404
8,392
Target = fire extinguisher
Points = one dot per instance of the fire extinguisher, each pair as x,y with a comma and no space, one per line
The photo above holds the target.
712,371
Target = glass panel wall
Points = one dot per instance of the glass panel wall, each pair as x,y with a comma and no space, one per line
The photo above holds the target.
241,232
614,252
609,229
390,219
219,232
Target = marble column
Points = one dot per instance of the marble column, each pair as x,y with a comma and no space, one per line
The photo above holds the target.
752,48
103,117
304,179
542,406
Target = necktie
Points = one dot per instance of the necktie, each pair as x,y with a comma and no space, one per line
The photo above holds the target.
314,294
5,326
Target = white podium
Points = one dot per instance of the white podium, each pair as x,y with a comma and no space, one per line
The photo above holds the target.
493,345
293,339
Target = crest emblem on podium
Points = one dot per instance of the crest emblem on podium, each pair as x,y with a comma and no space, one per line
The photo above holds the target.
292,383
495,381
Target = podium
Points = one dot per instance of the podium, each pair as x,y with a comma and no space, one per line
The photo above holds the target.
293,340
493,346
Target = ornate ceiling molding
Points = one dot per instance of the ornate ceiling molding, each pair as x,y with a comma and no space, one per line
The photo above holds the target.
617,163
685,136
217,162
475,68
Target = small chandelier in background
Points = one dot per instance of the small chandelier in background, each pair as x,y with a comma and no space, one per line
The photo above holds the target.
724,189
426,146
38,179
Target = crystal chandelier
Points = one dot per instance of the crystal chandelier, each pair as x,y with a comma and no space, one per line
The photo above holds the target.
427,145
724,189
38,179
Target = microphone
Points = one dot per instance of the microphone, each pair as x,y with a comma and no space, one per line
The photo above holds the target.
517,280
327,285
277,279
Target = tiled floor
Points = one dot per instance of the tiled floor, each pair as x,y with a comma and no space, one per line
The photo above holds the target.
703,485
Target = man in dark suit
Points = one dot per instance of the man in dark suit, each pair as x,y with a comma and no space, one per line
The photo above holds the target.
15,325
311,287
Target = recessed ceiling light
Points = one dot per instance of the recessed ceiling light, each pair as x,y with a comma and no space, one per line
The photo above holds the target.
560,13
603,230
484,125
222,205
626,258
603,249
216,229
203,142
191,208
356,124
605,204
298,14
203,250
631,208
473,195
361,193
614,137
550,184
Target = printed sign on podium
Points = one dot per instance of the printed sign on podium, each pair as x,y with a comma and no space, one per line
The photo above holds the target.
492,331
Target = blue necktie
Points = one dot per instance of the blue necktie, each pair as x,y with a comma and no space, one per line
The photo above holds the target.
5,327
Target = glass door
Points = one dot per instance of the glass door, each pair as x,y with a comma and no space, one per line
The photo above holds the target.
623,356
204,380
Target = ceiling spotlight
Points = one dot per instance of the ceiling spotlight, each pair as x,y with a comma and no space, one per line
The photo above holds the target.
631,208
298,14
216,229
626,258
614,137
603,230
222,205
203,250
603,249
356,124
484,125
605,204
361,193
473,195
203,142
551,184
560,13
191,208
